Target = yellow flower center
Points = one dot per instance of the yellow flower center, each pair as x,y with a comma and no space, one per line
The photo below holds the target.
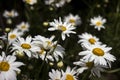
49,42
98,52
10,14
98,23
92,40
23,27
26,46
62,28
12,36
4,66
28,1
90,64
69,77
41,51
72,21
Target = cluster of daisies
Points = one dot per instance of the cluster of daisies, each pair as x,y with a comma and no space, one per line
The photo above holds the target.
39,47
54,3
95,55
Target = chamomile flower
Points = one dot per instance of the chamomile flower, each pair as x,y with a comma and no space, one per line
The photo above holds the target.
49,47
13,34
10,14
69,74
64,27
85,65
89,39
55,75
99,54
60,3
23,26
30,2
55,3
25,46
9,67
98,22
49,2
74,20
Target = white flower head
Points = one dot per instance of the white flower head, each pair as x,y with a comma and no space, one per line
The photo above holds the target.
69,74
64,27
49,47
9,67
10,14
49,2
98,22
99,54
56,3
30,2
26,46
23,26
85,65
89,39
60,3
74,20
13,34
55,75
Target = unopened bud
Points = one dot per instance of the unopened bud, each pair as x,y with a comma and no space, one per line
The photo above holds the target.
60,64
7,30
51,64
51,9
9,21
19,53
45,23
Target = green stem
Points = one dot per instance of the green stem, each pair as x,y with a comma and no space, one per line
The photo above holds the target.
113,71
86,75
7,44
41,66
117,19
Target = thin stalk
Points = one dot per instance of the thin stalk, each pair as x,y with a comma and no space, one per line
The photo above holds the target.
117,19
113,71
41,66
86,75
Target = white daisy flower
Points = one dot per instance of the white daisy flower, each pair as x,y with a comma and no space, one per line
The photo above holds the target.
26,46
98,22
10,14
48,47
60,3
64,27
13,34
55,75
9,67
58,52
56,3
99,54
94,68
23,26
30,2
74,20
49,2
69,74
89,39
